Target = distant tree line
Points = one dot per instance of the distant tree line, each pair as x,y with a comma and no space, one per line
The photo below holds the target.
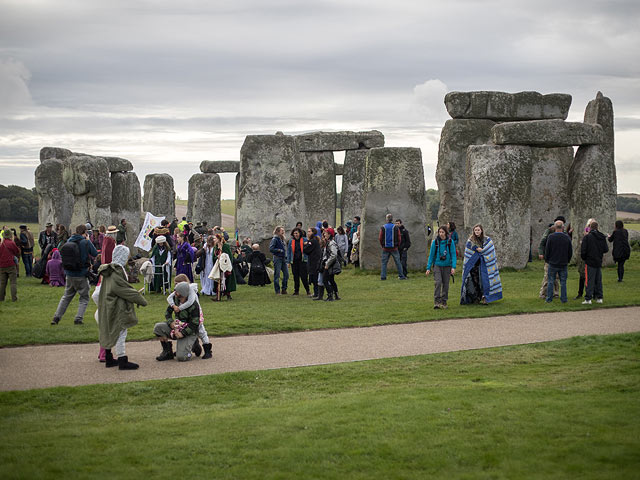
18,204
433,204
628,204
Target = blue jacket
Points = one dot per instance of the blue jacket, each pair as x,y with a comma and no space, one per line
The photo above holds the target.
436,251
86,249
277,247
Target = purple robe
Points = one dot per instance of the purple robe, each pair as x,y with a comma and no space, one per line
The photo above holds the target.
184,258
55,271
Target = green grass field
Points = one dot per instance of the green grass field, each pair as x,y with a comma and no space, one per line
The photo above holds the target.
558,410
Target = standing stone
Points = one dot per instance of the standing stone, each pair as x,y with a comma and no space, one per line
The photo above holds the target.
126,202
498,196
55,203
88,179
353,180
592,179
204,199
394,184
159,195
456,136
269,191
318,181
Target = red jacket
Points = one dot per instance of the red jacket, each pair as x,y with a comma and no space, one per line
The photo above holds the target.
8,250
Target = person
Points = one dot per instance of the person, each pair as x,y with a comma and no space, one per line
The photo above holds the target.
621,248
443,260
330,266
557,254
202,332
389,238
314,258
403,248
184,257
594,246
165,231
580,265
206,257
481,277
224,283
453,234
63,234
75,270
355,248
257,267
95,239
302,232
8,250
298,261
342,240
27,241
115,309
47,237
161,255
184,328
278,249
541,248
246,247
183,223
108,244
55,270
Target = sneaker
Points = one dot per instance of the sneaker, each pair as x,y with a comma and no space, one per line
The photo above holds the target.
577,297
402,278
586,302
598,300
383,278
444,306
55,320
78,322
436,306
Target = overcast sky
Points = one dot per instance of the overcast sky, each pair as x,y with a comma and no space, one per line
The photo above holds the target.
167,84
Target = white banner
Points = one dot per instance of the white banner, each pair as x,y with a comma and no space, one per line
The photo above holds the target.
144,238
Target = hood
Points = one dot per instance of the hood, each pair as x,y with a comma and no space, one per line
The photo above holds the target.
161,231
75,237
601,237
56,254
108,269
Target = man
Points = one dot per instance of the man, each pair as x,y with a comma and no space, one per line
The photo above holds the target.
557,254
182,224
594,246
390,238
278,249
541,249
47,237
75,260
26,238
8,250
405,244
121,237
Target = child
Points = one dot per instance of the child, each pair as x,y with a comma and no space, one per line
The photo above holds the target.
202,332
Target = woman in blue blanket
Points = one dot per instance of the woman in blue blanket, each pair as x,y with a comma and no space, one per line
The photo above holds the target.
480,277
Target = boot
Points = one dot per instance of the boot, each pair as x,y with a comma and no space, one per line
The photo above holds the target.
197,350
167,352
329,298
125,364
101,355
335,295
109,360
320,293
207,351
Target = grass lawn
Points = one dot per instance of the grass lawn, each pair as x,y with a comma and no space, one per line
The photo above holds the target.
566,409
365,301
632,226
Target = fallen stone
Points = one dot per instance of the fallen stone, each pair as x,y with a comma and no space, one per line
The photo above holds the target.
353,180
126,202
55,203
159,195
547,133
318,182
117,164
220,166
204,199
327,141
370,139
502,106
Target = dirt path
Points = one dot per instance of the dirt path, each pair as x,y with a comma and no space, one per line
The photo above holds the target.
56,365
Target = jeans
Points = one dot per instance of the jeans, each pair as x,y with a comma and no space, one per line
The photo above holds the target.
27,259
594,283
403,261
79,285
280,264
441,275
562,273
385,260
183,345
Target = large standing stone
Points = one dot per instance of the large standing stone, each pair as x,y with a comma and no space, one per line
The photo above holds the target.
219,166
88,179
498,196
592,179
547,133
394,184
328,141
318,181
55,203
126,202
159,195
456,136
269,192
353,180
204,199
502,106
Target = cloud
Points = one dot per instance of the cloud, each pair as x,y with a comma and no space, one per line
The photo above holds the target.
429,97
14,91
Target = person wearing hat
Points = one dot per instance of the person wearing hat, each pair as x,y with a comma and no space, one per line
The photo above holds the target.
26,239
47,237
161,255
8,250
184,329
108,244
115,309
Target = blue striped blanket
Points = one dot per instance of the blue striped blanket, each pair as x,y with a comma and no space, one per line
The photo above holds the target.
488,269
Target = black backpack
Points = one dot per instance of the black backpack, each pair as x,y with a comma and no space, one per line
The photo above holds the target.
71,257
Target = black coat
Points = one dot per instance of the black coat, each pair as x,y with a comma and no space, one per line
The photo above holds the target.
621,247
405,239
314,253
594,246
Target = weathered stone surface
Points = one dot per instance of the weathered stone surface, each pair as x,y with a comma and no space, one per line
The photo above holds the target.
159,195
55,203
502,106
592,179
219,166
88,179
54,153
547,133
318,182
126,202
498,196
338,169
394,184
269,192
634,235
117,164
327,141
370,139
456,136
549,194
353,180
204,199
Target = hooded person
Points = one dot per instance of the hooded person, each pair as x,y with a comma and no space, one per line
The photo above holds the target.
55,270
115,309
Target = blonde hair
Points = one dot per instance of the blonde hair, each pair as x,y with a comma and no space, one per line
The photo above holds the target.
181,278
277,229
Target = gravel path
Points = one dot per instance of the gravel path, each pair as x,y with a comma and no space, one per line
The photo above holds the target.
71,365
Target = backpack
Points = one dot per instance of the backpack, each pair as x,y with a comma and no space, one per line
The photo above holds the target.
390,235
341,258
71,256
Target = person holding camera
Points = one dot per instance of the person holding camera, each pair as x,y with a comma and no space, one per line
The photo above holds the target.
442,258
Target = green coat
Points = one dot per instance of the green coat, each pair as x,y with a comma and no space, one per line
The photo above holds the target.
115,304
230,282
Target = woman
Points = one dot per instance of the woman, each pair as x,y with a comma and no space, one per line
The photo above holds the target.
258,267
298,261
55,271
223,286
355,250
331,265
580,265
442,258
63,235
454,237
161,261
342,240
314,255
206,260
108,244
95,239
621,248
480,277
184,257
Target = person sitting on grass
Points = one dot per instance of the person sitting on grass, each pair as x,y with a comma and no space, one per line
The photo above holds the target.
183,329
193,297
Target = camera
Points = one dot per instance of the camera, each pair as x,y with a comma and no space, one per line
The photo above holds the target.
443,256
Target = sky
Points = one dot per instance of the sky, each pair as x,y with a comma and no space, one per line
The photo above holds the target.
167,84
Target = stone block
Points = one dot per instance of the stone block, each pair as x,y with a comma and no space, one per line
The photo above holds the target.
55,203
117,164
327,141
547,133
204,199
220,166
126,202
318,182
370,139
88,179
353,180
47,153
159,195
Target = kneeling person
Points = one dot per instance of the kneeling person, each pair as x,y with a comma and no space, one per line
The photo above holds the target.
184,328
